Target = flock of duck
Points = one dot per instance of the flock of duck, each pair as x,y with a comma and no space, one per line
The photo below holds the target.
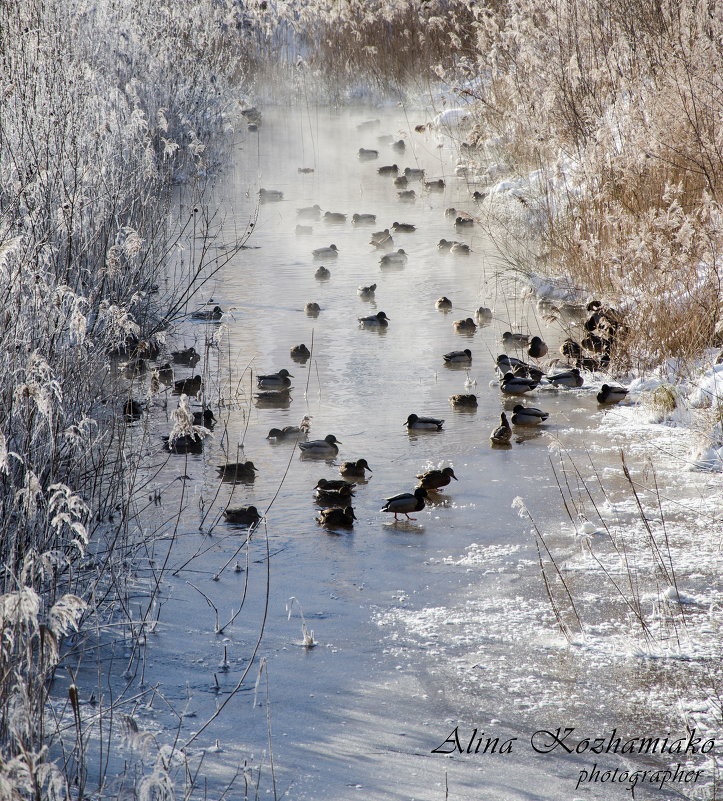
516,377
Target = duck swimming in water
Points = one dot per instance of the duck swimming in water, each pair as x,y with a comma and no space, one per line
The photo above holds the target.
322,274
378,319
458,356
407,195
336,518
355,469
321,447
398,257
611,394
187,356
366,291
405,503
300,352
443,303
237,472
463,400
537,348
326,253
428,423
364,219
188,386
516,385
312,309
503,433
216,313
274,380
569,378
309,212
243,516
465,325
528,416
334,217
405,228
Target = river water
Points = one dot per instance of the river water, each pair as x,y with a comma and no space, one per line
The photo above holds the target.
420,627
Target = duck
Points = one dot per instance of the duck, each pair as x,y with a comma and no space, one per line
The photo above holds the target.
270,195
537,348
321,447
389,169
428,423
571,349
326,253
399,146
165,374
309,212
336,518
507,363
304,170
460,249
503,433
483,313
274,380
334,217
237,471
300,352
405,503
375,319
382,239
312,309
443,303
568,378
366,291
401,182
595,343
458,356
216,313
407,195
528,416
334,485
355,469
243,516
304,230
463,400
398,257
516,385
290,431
204,417
446,244
404,228
450,212
366,154
464,222
413,174
436,479
322,274
188,386
330,497
187,356
465,325
435,186
187,443
132,410
611,394
508,338
363,219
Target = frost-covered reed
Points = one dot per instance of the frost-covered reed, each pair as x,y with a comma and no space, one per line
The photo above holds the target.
105,106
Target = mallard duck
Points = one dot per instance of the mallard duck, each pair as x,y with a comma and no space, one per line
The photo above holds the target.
304,230
382,240
243,516
434,186
571,349
507,363
398,257
187,356
508,338
399,146
407,195
366,291
568,378
187,443
309,212
479,196
611,394
450,212
237,471
274,380
460,249
270,195
464,222
458,356
331,497
404,228
188,386
300,352
405,503
463,400
375,319
528,416
366,154
288,432
355,469
465,325
428,423
390,169
334,217
516,385
336,518
216,313
503,433
364,219
326,253
335,485
322,274
413,174
401,182
446,244
321,447
132,410
312,309
483,313
204,418
443,303
435,479
537,348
